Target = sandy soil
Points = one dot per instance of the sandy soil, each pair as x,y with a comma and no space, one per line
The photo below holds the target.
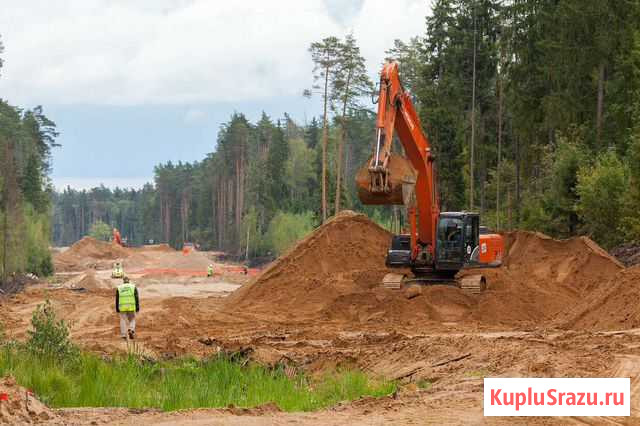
555,309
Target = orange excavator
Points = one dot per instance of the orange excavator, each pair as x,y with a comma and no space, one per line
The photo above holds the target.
438,244
116,237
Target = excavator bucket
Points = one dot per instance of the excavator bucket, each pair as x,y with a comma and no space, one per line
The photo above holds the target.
386,185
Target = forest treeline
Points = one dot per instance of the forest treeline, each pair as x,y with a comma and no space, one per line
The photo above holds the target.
26,139
259,191
532,106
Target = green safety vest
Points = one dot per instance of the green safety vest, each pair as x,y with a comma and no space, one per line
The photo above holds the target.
127,297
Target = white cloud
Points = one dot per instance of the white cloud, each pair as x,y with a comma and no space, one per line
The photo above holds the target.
119,52
194,115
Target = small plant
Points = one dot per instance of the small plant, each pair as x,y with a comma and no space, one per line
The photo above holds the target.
477,373
424,384
50,335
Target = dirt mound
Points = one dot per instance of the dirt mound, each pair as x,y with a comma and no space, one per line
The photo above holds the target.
88,251
435,303
90,247
92,283
334,275
163,248
20,406
342,257
612,307
541,278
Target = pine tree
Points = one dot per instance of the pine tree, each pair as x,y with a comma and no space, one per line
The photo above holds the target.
325,55
350,84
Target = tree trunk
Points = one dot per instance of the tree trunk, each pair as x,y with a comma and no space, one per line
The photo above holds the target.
10,204
325,136
600,105
509,222
517,180
5,234
215,202
220,212
238,201
473,118
246,253
241,187
230,206
341,142
499,153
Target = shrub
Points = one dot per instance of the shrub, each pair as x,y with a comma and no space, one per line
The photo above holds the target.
36,242
287,228
100,231
49,335
601,188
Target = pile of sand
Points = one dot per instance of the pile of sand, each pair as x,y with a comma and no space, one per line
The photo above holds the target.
96,249
163,248
334,275
88,251
341,257
614,306
542,278
92,283
19,406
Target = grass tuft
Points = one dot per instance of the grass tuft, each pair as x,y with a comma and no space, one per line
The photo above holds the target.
89,381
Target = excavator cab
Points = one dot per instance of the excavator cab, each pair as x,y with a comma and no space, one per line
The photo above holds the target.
460,243
457,240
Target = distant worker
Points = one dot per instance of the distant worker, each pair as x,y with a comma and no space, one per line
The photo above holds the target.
127,304
116,237
118,271
245,270
210,270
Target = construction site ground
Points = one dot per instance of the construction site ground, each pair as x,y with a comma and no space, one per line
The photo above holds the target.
554,309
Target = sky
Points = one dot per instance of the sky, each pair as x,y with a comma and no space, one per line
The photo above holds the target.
131,84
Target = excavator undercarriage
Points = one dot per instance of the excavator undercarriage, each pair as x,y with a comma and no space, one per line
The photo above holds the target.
470,284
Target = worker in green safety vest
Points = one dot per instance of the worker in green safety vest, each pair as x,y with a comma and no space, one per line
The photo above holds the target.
127,304
210,270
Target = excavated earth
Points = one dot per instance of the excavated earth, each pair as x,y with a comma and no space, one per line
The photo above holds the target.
554,309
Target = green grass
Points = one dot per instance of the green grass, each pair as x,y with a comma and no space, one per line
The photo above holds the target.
477,373
89,381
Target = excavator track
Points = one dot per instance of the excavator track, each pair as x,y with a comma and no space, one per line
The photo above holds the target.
471,284
393,281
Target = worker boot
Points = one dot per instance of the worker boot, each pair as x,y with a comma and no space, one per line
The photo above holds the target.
131,334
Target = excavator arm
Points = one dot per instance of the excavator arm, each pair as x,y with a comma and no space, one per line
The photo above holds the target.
390,181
